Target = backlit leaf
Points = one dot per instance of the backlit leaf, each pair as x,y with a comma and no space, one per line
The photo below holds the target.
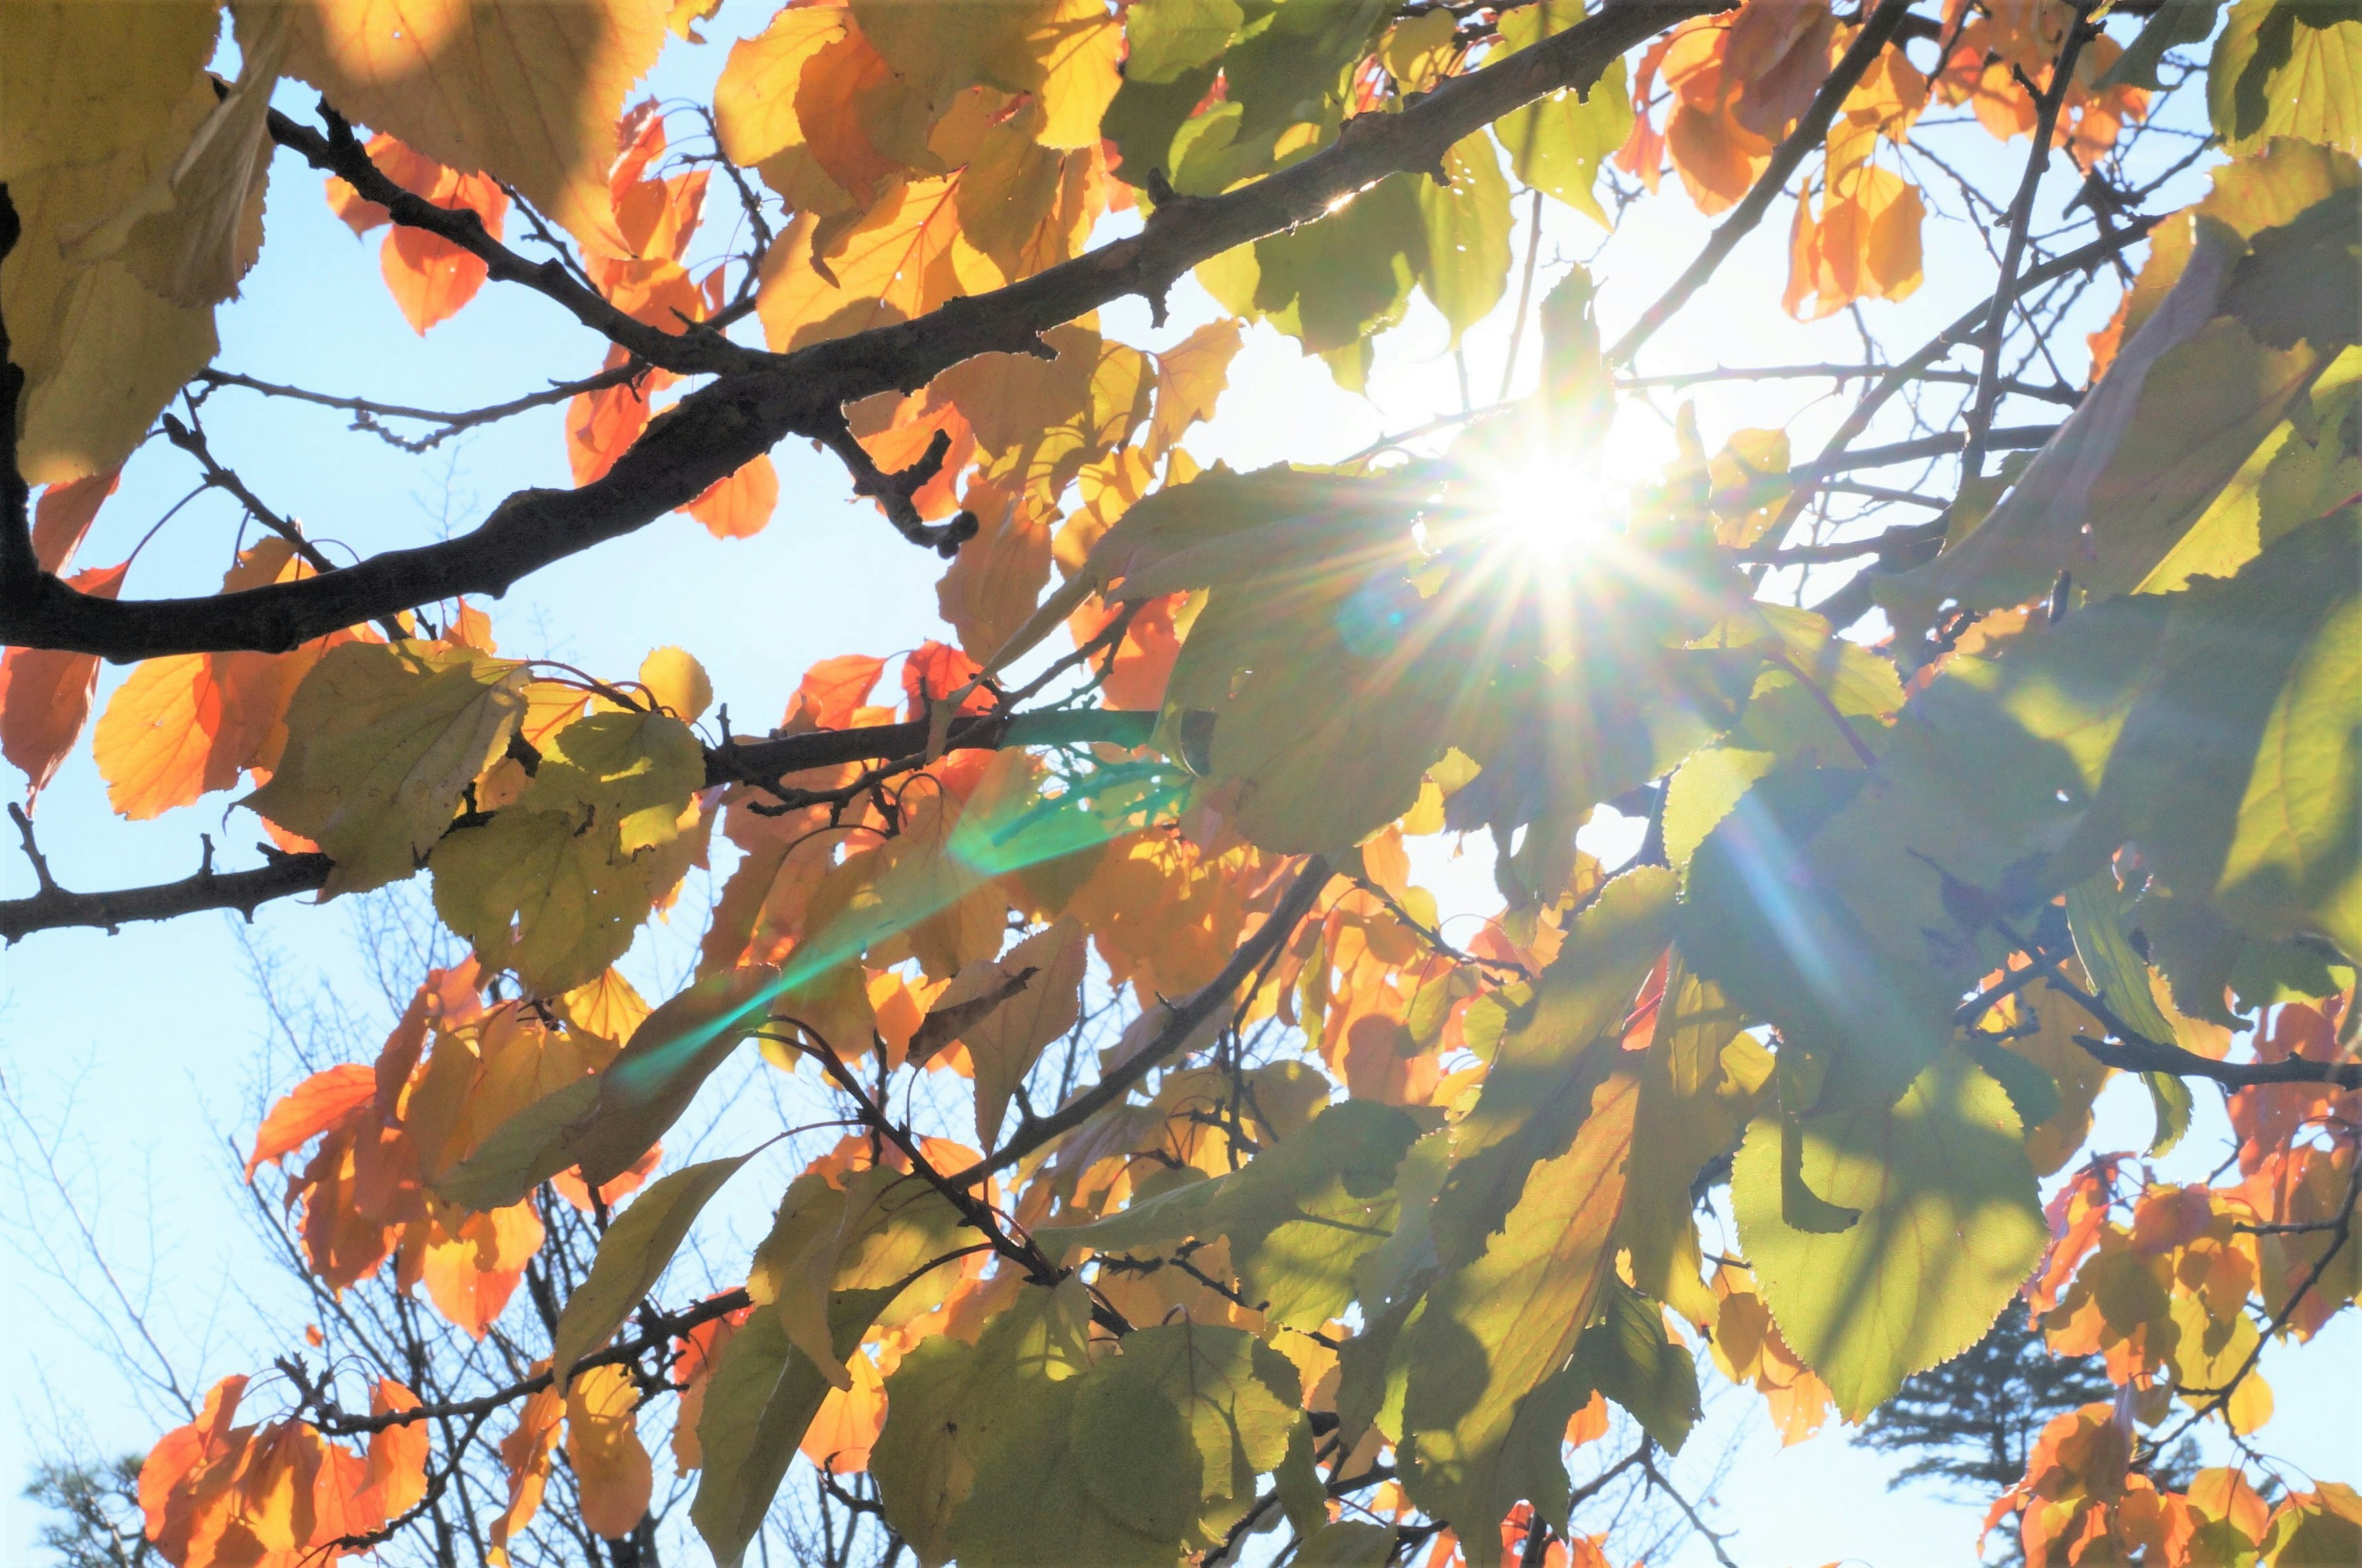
1949,1227
634,1253
612,1473
525,91
383,744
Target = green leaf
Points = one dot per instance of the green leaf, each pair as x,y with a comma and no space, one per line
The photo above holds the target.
606,1124
1347,1543
1950,1227
951,1405
1144,116
1336,280
2259,820
2189,22
540,893
1170,1435
1765,916
523,1152
2096,920
1558,144
1302,1491
1467,223
2250,324
1166,37
2288,68
2033,1093
676,1048
763,1395
1298,1216
383,740
880,1228
1501,1324
1692,1110
633,1255
1629,1356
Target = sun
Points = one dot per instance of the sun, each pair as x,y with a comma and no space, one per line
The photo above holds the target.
1553,512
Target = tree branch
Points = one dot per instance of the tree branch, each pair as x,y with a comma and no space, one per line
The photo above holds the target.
1186,1020
761,399
1917,366
367,413
2021,215
2136,1052
1785,159
340,152
759,762
52,906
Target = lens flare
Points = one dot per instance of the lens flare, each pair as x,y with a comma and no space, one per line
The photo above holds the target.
1552,512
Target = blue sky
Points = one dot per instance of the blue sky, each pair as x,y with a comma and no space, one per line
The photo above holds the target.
136,1056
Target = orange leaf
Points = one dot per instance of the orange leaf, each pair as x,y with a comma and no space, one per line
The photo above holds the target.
471,1269
526,1454
848,1421
896,262
740,505
832,689
429,277
318,1103
991,586
186,726
1190,377
932,671
602,1444
831,85
397,1454
601,426
45,692
1143,661
1865,243
184,1485
64,514
523,90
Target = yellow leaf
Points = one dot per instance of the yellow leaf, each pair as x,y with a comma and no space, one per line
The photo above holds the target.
677,683
991,585
896,263
193,233
97,104
608,1007
523,89
382,742
538,895
603,1443
755,101
1190,377
1005,1043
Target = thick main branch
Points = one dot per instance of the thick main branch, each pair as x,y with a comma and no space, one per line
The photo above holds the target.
713,431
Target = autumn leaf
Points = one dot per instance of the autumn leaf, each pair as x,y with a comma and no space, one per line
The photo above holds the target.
44,694
383,744
527,93
741,505
602,1445
1950,1227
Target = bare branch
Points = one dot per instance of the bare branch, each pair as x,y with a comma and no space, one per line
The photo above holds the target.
2021,215
367,413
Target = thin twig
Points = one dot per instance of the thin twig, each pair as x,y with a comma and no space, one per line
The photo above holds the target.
1179,1027
1785,159
1525,298
2021,215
